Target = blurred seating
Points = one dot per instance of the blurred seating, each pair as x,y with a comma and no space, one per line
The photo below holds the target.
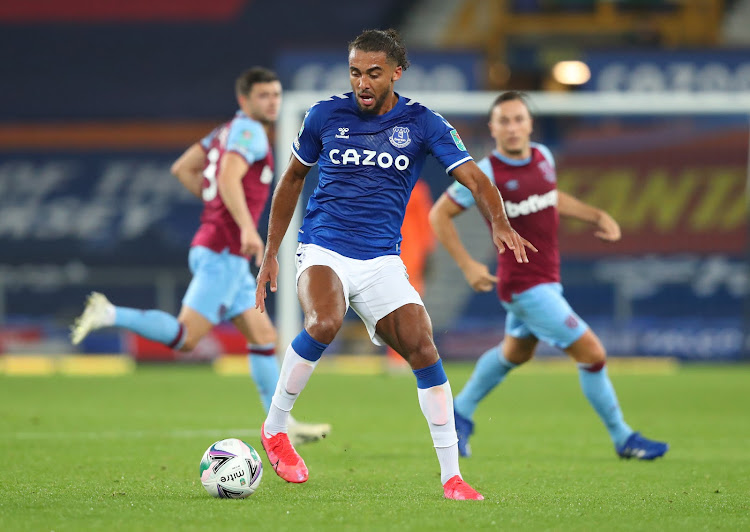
672,22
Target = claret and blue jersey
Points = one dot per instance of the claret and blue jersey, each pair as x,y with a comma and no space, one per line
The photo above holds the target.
247,138
529,189
368,165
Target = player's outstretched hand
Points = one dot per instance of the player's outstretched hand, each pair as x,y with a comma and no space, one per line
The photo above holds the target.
507,236
269,273
608,228
479,276
251,244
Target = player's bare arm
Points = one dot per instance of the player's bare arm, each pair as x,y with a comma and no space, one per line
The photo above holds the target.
188,169
607,228
490,204
441,218
233,169
284,201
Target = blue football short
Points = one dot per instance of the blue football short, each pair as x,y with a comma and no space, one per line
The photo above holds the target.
542,311
222,286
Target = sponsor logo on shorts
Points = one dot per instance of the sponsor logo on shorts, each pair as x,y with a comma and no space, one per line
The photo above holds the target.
571,321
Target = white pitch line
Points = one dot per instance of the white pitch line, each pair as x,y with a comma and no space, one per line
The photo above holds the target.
128,434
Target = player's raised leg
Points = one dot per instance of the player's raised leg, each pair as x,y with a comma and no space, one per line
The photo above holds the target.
323,302
215,276
408,330
180,333
591,357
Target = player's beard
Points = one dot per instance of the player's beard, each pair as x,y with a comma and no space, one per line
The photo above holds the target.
513,152
375,108
269,117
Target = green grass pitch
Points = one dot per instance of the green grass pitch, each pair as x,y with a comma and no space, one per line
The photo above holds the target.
122,453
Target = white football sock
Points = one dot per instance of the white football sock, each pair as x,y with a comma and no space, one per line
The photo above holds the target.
437,407
294,374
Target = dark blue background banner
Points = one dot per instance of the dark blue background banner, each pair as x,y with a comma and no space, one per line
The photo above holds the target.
684,70
102,209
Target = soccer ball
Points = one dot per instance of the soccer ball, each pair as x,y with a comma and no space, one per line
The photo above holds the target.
231,469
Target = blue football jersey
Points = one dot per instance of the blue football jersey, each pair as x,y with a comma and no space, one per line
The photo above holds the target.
367,167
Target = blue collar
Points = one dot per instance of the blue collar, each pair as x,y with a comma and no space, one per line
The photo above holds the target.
509,161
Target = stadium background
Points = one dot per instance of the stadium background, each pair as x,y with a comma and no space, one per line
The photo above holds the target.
97,100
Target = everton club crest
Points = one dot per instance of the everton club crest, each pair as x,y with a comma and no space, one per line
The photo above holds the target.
400,137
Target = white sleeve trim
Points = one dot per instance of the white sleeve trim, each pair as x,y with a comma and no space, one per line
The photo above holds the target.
457,163
300,159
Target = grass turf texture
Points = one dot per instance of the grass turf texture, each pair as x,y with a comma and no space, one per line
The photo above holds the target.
122,453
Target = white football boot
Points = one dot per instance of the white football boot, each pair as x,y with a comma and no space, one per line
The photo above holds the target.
300,433
99,312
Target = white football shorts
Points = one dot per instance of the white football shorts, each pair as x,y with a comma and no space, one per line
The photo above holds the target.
373,288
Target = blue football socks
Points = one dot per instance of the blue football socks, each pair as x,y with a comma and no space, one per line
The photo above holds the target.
490,370
599,391
264,369
152,324
308,347
430,376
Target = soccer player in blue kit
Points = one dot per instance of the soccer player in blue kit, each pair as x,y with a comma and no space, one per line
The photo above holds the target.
532,294
370,146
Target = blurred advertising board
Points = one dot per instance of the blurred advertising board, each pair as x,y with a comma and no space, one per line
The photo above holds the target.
222,340
696,340
682,70
320,70
102,209
675,190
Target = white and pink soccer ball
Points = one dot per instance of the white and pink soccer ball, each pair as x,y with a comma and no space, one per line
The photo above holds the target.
231,469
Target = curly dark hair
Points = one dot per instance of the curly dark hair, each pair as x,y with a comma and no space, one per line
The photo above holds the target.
388,41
